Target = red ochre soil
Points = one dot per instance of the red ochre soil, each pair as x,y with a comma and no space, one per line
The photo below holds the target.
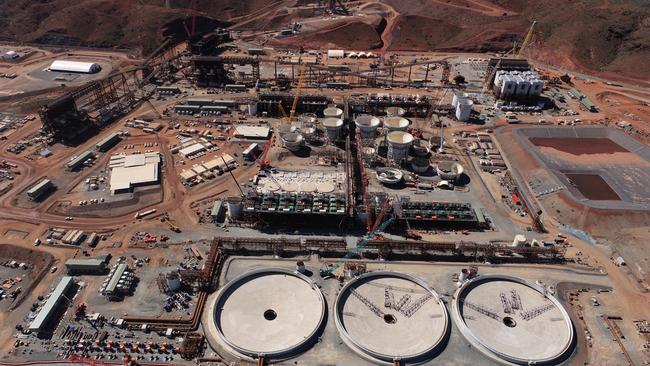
593,187
580,146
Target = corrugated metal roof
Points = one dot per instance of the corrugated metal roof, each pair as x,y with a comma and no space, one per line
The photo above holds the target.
115,279
51,304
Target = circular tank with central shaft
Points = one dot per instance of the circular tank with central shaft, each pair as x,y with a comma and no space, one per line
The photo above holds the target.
333,112
333,128
367,125
396,123
390,318
272,312
399,143
513,321
293,141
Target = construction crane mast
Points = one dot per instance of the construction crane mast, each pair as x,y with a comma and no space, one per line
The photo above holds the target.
296,98
526,41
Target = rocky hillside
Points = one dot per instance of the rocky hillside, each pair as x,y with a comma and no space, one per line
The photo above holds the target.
606,36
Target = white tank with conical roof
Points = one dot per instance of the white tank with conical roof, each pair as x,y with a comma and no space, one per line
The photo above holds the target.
399,143
333,112
333,128
367,125
396,123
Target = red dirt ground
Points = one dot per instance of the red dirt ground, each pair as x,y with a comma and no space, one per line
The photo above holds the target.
581,146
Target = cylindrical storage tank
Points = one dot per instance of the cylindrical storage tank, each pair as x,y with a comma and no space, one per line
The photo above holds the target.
395,111
396,123
307,119
399,143
367,125
333,127
421,148
234,207
519,240
420,165
464,110
293,141
333,112
449,170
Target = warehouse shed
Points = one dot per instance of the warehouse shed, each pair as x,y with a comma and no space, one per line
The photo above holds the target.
75,66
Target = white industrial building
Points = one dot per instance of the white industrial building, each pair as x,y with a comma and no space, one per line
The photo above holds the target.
10,56
518,84
335,53
75,66
129,171
252,132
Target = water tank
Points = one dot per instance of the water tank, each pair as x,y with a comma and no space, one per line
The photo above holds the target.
519,241
464,110
399,143
293,141
367,125
333,127
333,112
396,123
449,170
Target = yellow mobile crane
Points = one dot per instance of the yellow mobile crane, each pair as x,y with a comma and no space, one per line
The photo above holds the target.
516,52
301,78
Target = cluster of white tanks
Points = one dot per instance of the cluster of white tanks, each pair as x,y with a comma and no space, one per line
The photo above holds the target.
463,106
518,84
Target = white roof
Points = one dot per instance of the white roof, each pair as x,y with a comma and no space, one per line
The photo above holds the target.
258,132
336,53
188,174
75,66
124,178
192,149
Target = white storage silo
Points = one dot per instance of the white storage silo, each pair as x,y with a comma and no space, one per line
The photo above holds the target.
464,110
399,143
333,127
333,112
396,123
367,125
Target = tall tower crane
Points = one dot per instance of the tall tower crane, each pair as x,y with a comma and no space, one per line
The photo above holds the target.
526,41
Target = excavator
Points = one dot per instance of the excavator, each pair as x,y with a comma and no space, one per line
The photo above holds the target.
165,218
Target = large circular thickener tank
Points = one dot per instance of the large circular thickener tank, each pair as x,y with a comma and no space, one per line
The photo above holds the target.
389,316
513,321
272,312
